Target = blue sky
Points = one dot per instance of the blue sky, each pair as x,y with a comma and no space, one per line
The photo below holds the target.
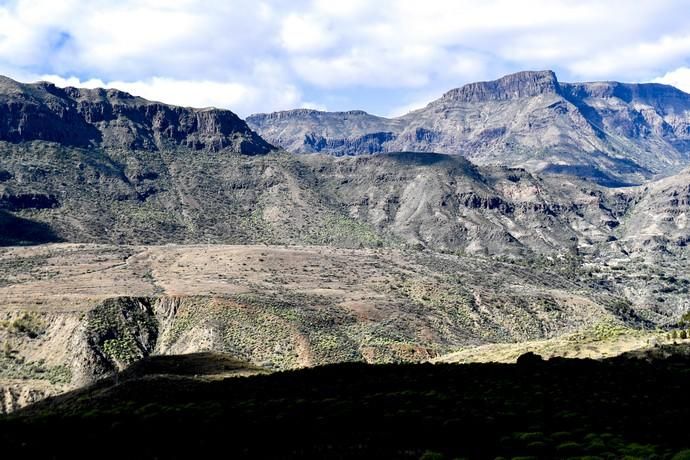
385,56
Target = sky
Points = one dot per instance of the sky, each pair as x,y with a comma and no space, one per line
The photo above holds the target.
383,56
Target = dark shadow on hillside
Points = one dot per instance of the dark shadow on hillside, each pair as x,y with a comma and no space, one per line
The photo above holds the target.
561,408
587,172
424,158
17,231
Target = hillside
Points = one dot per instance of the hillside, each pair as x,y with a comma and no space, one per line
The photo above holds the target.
102,166
616,408
614,133
51,193
74,313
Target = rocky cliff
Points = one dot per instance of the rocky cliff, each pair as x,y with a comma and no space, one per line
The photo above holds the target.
115,119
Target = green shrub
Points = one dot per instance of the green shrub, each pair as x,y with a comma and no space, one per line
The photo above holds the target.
569,448
28,324
682,455
431,455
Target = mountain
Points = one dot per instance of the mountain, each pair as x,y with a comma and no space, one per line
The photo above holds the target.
614,133
176,230
661,217
103,166
182,196
110,118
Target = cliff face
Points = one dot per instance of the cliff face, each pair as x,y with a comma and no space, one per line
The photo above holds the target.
613,133
508,88
114,119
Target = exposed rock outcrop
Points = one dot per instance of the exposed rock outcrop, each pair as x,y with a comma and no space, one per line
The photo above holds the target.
115,119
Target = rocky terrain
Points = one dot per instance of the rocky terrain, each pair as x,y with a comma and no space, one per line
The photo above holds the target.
114,119
50,193
132,229
72,313
614,133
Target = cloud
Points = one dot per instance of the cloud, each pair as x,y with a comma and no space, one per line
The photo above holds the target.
238,97
680,78
304,34
258,55
636,59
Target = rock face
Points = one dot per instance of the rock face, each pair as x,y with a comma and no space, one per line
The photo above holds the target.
115,119
661,217
614,133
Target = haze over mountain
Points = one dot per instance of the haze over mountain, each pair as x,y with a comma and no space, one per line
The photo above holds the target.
614,133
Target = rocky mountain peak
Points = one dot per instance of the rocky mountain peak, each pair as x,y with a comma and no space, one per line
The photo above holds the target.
510,87
113,118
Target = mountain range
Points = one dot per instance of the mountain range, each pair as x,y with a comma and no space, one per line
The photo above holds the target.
615,133
106,167
519,210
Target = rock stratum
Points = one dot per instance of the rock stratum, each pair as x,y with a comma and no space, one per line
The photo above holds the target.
615,133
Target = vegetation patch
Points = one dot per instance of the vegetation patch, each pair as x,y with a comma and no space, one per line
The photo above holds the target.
123,330
17,368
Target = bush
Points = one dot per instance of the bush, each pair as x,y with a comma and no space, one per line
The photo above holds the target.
682,455
28,324
431,455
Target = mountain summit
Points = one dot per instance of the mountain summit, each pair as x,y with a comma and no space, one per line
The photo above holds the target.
510,87
115,119
614,133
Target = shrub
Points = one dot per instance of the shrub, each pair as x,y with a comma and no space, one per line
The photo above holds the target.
682,455
28,324
431,455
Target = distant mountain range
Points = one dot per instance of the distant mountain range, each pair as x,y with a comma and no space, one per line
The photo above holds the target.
105,166
614,133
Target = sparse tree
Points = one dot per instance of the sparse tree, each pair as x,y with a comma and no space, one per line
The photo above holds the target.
683,335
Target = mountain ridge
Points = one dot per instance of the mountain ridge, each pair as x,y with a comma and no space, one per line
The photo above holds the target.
111,118
616,133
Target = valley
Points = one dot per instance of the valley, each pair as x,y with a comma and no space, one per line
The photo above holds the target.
133,230
74,313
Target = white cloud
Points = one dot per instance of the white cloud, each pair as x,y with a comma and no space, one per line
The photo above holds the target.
237,97
680,78
305,33
259,55
637,58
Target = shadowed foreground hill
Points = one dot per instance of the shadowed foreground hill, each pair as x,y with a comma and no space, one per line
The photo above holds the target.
560,408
